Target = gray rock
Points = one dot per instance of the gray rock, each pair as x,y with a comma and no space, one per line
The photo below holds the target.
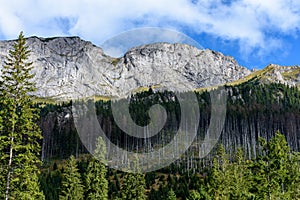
288,75
68,68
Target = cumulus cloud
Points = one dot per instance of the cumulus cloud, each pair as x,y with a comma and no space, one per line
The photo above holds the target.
254,24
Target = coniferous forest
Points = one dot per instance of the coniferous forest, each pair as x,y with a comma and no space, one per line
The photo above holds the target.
42,157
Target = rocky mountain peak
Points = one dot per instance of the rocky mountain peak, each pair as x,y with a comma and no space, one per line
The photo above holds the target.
186,64
68,67
289,75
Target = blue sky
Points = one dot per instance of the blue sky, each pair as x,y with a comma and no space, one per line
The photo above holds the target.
255,32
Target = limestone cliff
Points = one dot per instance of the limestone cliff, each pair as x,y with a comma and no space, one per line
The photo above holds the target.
68,67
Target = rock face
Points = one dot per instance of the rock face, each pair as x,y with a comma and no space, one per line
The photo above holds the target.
68,68
288,75
65,67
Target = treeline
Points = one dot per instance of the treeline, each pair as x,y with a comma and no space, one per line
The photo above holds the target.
253,110
274,174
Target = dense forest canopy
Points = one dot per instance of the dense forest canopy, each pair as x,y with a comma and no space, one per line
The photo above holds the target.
252,161
253,110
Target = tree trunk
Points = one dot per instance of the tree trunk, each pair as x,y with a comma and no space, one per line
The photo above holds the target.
9,169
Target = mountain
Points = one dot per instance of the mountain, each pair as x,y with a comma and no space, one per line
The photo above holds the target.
288,75
68,67
259,101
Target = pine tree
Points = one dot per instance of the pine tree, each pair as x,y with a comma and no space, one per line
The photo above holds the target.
271,169
279,152
240,177
19,133
293,176
134,185
96,183
171,195
220,178
194,195
72,188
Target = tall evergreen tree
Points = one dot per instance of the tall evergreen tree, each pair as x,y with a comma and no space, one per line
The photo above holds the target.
134,185
72,188
293,176
271,169
240,177
96,183
19,133
220,176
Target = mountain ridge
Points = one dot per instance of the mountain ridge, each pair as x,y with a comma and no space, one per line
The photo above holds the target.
70,68
288,75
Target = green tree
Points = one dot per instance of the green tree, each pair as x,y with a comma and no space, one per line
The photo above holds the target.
194,195
134,185
19,132
171,195
272,168
293,176
220,176
240,177
96,183
72,188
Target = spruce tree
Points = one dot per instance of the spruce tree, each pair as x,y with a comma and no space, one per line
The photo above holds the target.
293,176
194,195
219,179
72,188
96,183
134,185
279,153
19,133
171,195
271,169
240,177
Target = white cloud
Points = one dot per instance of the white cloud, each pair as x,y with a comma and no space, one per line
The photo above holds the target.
252,23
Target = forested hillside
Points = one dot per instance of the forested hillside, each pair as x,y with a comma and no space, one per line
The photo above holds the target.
253,110
251,161
255,157
274,174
